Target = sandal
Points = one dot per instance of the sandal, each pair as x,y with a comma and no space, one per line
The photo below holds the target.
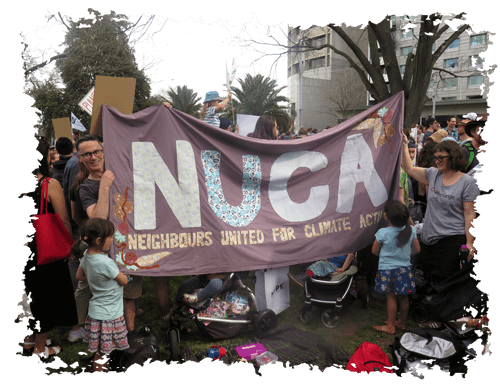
46,353
385,329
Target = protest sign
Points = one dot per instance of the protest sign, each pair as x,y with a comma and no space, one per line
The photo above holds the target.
189,198
246,123
87,102
62,127
112,91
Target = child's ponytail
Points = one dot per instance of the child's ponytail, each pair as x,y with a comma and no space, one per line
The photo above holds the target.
404,236
79,247
92,230
398,215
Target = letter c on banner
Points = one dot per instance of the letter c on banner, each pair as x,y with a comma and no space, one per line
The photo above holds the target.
281,171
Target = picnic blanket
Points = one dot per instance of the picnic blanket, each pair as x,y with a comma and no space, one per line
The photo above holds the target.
290,345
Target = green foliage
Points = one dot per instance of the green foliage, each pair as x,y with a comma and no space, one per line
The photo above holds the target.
94,46
259,95
184,99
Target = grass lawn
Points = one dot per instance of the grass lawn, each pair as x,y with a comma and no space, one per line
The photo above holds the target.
355,327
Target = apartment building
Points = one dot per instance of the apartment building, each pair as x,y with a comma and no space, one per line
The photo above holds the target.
324,90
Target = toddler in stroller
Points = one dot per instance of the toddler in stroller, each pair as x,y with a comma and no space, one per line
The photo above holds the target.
222,313
328,284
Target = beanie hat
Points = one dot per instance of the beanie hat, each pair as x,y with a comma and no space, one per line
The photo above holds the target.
64,146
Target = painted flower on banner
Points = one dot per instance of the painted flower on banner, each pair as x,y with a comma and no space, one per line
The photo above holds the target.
378,121
129,259
237,216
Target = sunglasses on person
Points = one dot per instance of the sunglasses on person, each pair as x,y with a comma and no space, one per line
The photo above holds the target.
440,158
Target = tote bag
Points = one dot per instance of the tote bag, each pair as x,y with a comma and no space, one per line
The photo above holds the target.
53,242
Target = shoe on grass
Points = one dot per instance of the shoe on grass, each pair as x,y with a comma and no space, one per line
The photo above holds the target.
75,335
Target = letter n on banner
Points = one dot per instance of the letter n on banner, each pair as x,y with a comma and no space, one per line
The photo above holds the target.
183,198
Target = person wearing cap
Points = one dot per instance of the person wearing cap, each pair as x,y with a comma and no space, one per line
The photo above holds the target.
227,125
212,105
461,131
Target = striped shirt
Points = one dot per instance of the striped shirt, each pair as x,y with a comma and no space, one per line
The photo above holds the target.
211,117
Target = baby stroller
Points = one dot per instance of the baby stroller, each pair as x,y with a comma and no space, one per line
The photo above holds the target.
335,294
224,315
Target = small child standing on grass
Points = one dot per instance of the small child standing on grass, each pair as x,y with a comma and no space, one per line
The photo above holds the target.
212,105
105,328
394,245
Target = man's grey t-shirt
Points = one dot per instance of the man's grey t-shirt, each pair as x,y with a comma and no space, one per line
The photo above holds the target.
444,216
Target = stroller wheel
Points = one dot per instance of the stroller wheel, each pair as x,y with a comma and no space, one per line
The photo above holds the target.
419,315
173,339
305,316
265,321
330,319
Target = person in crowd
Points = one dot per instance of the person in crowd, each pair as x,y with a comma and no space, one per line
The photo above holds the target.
105,328
470,147
69,174
425,159
227,125
54,157
431,125
64,147
394,245
49,285
461,131
450,209
212,105
266,128
302,133
451,122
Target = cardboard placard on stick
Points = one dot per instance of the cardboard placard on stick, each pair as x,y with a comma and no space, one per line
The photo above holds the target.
112,91
62,127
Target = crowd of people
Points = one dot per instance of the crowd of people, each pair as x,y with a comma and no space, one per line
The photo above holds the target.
84,292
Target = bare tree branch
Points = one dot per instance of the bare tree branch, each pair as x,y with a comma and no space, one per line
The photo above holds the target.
28,71
62,21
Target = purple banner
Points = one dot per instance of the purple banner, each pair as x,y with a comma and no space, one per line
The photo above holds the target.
189,198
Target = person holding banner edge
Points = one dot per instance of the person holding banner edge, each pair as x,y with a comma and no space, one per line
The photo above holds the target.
450,209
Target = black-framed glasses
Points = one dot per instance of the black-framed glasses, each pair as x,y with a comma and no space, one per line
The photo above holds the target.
440,158
88,155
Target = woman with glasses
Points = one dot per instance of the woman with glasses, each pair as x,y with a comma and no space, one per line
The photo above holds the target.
450,209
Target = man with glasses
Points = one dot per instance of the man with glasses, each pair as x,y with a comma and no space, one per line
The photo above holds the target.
94,191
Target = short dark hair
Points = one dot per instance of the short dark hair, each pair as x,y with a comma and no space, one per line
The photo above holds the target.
448,119
64,146
456,161
87,138
428,122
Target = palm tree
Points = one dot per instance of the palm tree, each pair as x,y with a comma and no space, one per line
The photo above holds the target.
184,99
259,96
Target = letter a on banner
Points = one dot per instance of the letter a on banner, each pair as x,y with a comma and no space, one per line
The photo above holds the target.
357,152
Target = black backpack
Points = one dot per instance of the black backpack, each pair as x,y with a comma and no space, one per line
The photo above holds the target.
143,345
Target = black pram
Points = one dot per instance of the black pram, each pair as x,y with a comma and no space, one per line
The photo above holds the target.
335,294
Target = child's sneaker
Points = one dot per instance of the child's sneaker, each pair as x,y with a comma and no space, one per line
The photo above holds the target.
75,335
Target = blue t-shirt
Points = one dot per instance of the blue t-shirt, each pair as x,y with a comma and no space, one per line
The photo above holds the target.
392,256
106,303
